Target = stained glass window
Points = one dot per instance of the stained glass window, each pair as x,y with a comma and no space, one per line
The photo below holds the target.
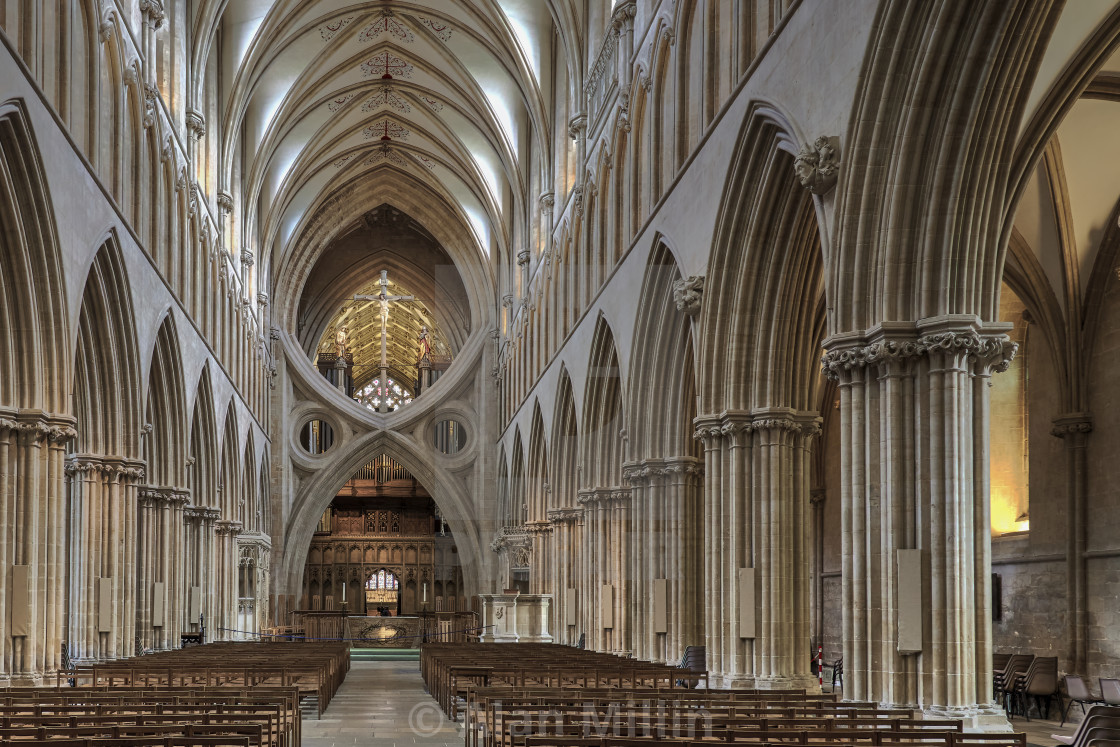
370,395
383,579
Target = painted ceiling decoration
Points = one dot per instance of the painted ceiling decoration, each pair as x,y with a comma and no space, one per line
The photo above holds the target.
442,31
385,153
386,129
387,66
329,30
386,97
389,25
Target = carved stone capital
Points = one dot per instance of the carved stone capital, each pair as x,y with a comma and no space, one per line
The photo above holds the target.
247,257
1071,424
565,515
111,467
818,164
196,124
622,18
989,351
523,258
225,202
153,12
548,199
37,425
577,125
687,294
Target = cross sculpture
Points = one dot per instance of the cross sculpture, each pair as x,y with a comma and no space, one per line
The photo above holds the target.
384,298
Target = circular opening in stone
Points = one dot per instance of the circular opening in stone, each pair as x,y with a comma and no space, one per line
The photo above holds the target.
450,437
316,437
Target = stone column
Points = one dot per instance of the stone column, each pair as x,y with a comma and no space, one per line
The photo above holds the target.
33,500
227,568
540,549
104,543
174,560
755,503
914,435
683,542
193,570
150,499
1074,429
816,599
665,520
523,276
153,15
645,531
565,570
547,202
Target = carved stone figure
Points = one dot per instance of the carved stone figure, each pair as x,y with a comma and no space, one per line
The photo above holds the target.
687,292
341,338
423,345
817,165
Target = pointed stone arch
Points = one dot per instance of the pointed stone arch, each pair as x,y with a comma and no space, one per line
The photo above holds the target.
538,491
449,493
32,293
662,365
565,515
165,443
230,472
203,451
605,585
762,323
107,378
603,417
537,486
565,446
517,494
200,516
247,507
106,466
664,470
160,510
35,412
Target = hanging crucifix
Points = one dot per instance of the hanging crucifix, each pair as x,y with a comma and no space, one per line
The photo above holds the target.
384,298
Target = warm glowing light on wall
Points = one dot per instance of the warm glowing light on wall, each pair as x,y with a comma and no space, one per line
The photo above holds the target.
1005,509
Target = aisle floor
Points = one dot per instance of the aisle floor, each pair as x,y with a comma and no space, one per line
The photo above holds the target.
382,703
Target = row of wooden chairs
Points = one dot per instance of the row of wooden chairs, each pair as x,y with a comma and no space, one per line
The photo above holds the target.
519,695
264,717
449,670
497,719
886,739
316,669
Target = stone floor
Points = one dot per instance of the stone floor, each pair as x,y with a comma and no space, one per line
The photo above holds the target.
382,703
1038,731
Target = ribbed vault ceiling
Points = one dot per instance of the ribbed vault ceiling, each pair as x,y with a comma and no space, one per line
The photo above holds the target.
327,94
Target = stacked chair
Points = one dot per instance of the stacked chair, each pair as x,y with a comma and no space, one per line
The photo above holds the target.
1040,682
1004,680
1100,727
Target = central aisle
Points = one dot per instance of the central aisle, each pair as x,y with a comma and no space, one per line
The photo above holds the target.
382,703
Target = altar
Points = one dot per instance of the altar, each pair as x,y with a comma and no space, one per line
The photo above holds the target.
383,632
